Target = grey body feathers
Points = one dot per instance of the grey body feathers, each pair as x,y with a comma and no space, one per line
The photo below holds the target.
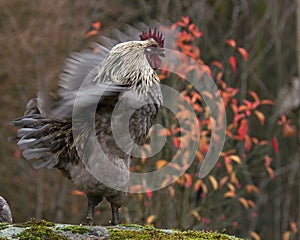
46,133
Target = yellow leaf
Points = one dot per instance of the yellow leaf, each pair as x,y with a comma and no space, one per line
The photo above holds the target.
260,116
286,235
231,187
254,235
213,181
235,158
244,202
150,219
251,188
171,191
196,215
161,163
251,203
204,188
233,179
229,194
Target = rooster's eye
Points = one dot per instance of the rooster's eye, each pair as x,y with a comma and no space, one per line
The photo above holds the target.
149,49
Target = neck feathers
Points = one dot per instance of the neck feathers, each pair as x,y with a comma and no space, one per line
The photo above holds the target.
127,64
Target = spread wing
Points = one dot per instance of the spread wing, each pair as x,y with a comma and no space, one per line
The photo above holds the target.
46,127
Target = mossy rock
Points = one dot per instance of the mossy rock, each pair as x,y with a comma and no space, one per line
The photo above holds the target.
43,230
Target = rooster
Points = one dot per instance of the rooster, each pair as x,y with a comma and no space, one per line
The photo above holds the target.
116,75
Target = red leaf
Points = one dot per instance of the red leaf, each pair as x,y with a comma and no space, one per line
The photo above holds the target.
184,21
195,31
149,194
217,64
176,142
164,132
78,193
244,53
248,143
254,95
289,131
17,153
232,62
237,117
197,185
268,161
188,180
96,25
270,171
243,129
91,33
275,145
135,188
231,42
267,101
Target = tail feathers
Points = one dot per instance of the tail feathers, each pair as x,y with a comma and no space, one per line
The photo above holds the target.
24,131
43,156
36,143
36,153
27,121
48,162
35,136
36,133
23,143
44,142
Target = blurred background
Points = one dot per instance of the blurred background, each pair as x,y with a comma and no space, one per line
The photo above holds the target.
36,37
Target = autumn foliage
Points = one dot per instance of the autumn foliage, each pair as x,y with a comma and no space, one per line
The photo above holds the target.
233,187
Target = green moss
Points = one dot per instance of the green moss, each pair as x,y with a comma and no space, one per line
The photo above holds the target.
145,233
76,229
39,233
37,230
146,227
35,222
3,225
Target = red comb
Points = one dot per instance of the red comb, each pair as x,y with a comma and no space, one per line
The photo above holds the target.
155,35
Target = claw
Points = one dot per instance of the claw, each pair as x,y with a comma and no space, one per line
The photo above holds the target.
115,215
93,201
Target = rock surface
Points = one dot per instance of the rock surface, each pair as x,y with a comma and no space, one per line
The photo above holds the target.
5,213
35,229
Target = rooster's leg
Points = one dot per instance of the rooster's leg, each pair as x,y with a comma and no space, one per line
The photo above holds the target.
93,201
115,215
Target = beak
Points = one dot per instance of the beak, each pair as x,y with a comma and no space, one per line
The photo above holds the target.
160,52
